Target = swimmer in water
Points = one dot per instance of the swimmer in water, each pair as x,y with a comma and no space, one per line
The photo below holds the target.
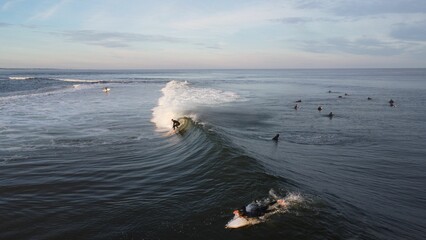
330,115
276,137
175,124
300,100
320,108
295,107
369,98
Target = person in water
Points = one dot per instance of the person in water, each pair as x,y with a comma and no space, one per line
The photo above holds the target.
276,137
175,124
319,108
330,115
295,107
255,209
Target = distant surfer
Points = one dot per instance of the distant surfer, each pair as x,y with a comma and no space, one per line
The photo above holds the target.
340,97
369,98
296,107
106,89
175,124
391,101
330,115
276,137
300,100
320,108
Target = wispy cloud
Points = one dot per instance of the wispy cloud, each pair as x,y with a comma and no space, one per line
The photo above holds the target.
9,4
2,24
245,17
364,8
113,39
411,32
359,46
49,12
301,20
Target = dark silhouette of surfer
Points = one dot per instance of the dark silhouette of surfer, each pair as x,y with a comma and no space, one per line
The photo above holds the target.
175,124
330,115
276,137
320,108
295,107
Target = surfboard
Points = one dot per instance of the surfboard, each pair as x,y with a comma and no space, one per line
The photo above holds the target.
238,222
184,125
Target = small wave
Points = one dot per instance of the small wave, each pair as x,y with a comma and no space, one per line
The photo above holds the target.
45,92
181,99
79,80
21,78
57,79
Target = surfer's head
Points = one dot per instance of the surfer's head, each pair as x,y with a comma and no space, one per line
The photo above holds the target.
240,212
281,202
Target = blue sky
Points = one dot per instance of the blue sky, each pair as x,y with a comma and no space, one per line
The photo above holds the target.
105,34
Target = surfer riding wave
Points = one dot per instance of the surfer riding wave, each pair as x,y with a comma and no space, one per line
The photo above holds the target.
180,98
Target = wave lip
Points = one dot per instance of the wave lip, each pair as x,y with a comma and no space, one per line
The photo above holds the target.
181,99
79,80
20,78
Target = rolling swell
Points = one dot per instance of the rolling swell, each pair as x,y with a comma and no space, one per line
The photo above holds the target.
212,170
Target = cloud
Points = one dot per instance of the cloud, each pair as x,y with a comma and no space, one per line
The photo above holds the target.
364,8
2,24
410,32
301,20
293,20
49,12
8,4
113,39
359,46
231,19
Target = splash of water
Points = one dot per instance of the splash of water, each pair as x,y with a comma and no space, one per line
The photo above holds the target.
181,99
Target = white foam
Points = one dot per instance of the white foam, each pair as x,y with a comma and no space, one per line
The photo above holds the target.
181,99
20,78
294,198
78,80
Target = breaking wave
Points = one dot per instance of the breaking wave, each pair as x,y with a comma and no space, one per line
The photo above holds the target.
180,99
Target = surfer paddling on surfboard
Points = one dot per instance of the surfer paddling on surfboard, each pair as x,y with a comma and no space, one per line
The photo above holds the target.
256,209
256,212
175,124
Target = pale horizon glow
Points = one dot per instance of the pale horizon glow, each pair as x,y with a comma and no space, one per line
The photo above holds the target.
253,34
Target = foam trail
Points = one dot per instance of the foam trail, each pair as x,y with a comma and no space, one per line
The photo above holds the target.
181,99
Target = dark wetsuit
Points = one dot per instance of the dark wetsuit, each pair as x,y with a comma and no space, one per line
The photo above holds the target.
256,210
175,124
276,137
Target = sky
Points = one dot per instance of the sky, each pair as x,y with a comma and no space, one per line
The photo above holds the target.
197,34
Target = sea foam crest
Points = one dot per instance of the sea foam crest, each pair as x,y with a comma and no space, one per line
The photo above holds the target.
78,80
180,99
20,78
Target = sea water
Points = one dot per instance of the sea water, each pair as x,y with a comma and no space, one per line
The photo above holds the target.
78,163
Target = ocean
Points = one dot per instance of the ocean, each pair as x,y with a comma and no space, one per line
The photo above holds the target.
80,163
